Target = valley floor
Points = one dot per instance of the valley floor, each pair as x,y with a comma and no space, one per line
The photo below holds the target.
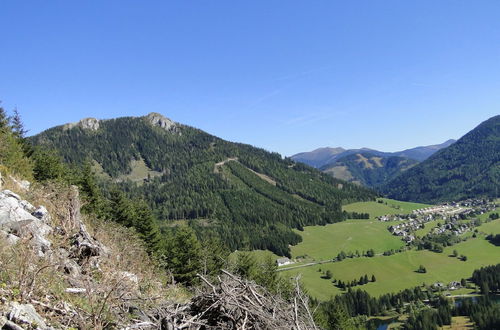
393,273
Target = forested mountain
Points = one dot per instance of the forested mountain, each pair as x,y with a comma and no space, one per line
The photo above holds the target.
246,195
327,157
368,169
468,168
318,157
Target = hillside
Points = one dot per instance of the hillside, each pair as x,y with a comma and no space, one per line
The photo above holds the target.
250,197
468,168
327,157
318,157
368,169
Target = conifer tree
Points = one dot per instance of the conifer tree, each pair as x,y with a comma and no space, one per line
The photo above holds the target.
183,255
147,227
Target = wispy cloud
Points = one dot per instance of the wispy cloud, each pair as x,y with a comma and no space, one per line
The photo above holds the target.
312,118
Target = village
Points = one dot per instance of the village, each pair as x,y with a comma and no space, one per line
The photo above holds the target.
451,212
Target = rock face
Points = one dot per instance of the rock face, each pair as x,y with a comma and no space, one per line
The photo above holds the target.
89,123
26,315
159,120
86,123
19,219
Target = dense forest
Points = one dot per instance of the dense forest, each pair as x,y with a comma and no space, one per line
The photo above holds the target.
250,197
370,170
468,168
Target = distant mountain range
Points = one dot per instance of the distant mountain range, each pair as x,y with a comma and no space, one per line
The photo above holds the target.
468,168
366,166
322,157
249,197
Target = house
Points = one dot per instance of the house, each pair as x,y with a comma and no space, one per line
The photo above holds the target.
454,285
283,261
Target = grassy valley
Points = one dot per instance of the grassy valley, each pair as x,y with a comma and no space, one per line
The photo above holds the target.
394,272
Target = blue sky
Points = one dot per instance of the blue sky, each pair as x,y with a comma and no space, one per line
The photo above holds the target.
288,76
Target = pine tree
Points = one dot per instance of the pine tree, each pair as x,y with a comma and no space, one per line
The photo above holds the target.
147,227
4,121
17,125
183,255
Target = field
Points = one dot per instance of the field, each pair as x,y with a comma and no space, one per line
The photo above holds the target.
397,272
388,206
393,273
325,242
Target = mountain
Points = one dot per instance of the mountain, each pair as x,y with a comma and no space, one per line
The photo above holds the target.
322,157
248,196
368,169
318,157
469,167
422,153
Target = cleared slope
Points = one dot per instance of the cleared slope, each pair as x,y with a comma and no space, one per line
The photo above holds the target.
369,169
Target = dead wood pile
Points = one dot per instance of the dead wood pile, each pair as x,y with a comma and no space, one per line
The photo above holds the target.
234,303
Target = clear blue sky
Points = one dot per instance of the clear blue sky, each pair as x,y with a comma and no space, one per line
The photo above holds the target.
288,76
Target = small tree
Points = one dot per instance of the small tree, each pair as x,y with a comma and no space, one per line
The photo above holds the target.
328,274
455,253
421,269
373,278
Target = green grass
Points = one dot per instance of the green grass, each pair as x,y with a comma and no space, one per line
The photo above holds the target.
397,272
492,227
389,206
140,171
325,242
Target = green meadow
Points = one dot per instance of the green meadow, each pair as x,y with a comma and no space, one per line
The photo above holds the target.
397,272
325,242
393,273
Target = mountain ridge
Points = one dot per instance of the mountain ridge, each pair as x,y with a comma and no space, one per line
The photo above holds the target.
468,168
322,157
233,200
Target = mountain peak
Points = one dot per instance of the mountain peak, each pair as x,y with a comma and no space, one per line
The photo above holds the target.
86,123
157,119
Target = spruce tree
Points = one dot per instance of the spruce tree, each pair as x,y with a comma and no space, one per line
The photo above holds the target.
183,255
147,227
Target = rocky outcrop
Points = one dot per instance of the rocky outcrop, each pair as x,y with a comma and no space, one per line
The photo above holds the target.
26,315
91,124
19,219
159,120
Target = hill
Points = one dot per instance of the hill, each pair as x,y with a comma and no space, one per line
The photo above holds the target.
318,157
368,169
468,168
250,197
323,157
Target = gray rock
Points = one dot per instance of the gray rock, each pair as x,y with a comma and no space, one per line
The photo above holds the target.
42,214
157,119
8,238
15,218
26,314
89,123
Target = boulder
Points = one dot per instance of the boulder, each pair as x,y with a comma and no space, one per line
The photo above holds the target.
17,220
8,238
42,214
26,314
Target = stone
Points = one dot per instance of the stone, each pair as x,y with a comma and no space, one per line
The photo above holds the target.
26,314
42,214
129,277
8,238
16,219
75,290
89,123
159,120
